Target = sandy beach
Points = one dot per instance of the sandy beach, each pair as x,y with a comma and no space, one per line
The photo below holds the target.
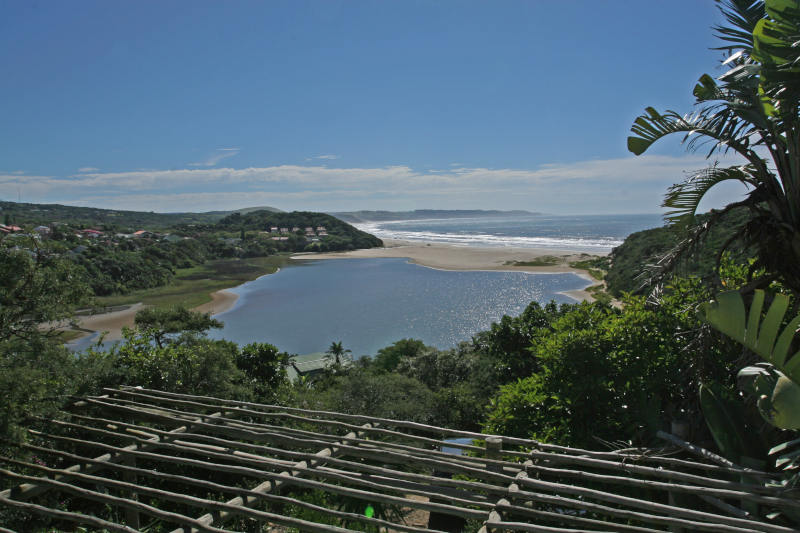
114,321
433,255
220,302
452,257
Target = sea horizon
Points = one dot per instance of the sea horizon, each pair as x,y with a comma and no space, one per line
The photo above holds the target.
582,233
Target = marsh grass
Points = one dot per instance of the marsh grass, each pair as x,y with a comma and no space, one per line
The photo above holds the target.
193,286
545,260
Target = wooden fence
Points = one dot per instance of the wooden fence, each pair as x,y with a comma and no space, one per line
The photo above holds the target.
135,458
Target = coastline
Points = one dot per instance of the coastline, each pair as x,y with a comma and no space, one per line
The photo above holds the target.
113,322
432,255
454,257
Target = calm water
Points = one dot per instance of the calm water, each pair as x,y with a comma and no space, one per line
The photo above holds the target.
370,303
586,233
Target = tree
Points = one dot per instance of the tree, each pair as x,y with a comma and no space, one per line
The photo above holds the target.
35,288
264,367
387,359
336,352
160,322
750,110
193,365
36,371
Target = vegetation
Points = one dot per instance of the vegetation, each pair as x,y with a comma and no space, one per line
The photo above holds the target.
180,264
595,266
340,235
541,261
752,110
631,264
586,375
23,214
191,287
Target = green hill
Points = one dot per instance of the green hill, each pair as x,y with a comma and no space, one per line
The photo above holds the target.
630,259
36,214
340,234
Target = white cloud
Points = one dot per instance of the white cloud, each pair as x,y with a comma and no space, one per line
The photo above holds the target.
633,184
218,155
88,169
324,157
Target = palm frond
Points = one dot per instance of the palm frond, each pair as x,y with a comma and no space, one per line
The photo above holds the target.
742,17
655,274
653,126
717,125
683,198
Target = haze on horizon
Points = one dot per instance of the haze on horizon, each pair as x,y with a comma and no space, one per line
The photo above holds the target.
342,106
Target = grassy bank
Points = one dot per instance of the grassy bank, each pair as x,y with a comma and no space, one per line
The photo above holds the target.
193,286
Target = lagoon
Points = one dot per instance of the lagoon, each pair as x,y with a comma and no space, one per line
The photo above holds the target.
370,303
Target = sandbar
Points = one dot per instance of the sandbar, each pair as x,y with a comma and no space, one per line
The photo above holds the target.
455,257
113,322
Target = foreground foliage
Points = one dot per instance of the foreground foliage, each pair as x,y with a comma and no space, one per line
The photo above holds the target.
752,110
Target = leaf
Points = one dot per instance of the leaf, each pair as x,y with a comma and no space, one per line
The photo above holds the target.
783,446
757,380
782,408
685,197
734,57
751,333
726,314
706,89
784,11
724,420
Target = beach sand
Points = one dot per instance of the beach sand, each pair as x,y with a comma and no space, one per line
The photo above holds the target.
453,257
114,321
434,255
221,301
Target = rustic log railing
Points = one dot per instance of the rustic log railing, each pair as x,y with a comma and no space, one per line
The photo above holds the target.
194,463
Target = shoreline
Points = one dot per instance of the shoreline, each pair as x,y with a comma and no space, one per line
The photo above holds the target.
113,322
453,257
431,255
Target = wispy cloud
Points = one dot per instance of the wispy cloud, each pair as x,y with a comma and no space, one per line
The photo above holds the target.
327,157
88,169
214,158
635,184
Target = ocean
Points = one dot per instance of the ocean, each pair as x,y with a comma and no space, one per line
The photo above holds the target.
584,233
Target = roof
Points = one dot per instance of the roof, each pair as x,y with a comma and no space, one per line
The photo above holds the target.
191,463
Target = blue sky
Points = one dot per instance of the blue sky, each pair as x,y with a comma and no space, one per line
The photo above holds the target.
328,105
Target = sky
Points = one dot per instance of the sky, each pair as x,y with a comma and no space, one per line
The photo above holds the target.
195,105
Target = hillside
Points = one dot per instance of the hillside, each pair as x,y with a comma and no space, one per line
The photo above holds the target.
46,214
340,234
642,248
419,214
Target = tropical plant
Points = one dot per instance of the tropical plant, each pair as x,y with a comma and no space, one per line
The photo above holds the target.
336,353
752,111
776,384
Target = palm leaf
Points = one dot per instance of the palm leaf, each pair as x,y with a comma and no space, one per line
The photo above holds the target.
742,16
653,126
683,198
716,124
